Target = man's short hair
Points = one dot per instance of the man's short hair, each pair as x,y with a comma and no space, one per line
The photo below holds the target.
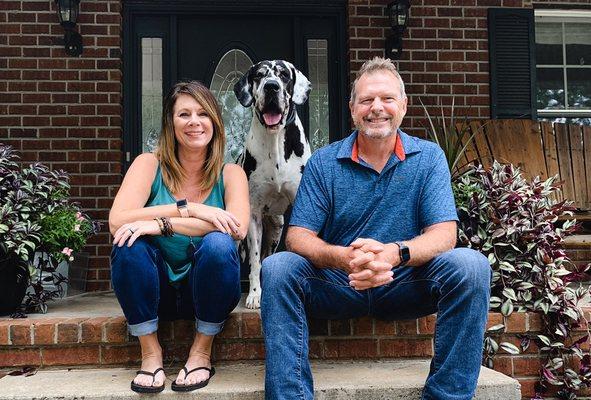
377,64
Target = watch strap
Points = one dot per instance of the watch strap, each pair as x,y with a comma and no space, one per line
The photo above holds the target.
403,253
181,205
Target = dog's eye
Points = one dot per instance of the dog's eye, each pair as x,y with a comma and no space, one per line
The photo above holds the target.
260,74
284,74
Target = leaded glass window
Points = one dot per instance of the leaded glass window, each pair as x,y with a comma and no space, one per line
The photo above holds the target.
231,67
318,101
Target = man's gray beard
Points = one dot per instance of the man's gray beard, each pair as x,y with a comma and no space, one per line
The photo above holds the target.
376,134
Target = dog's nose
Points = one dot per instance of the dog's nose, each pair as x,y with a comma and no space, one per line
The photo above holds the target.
272,87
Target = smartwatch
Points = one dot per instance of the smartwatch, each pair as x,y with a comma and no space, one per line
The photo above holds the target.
181,205
404,253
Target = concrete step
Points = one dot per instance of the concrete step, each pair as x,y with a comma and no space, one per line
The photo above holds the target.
372,380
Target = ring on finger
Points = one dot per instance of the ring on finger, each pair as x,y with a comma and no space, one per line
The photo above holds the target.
131,230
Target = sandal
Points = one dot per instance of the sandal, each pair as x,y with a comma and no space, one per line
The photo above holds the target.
188,388
148,389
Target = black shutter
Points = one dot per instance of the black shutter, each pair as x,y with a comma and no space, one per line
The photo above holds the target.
512,63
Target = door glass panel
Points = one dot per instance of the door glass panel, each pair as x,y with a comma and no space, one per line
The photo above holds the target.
318,101
550,88
231,67
151,92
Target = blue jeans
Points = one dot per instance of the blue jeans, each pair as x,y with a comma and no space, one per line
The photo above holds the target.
455,285
208,294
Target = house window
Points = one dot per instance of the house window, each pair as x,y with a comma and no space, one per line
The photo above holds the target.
563,65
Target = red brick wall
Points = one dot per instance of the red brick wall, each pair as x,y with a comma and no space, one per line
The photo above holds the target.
66,111
445,51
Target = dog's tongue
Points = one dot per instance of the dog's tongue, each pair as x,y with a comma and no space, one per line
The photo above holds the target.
271,118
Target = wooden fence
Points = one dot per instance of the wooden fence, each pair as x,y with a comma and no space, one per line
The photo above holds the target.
539,149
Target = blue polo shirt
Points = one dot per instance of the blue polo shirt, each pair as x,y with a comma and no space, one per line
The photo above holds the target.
342,198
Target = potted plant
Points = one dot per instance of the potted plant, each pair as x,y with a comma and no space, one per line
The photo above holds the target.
64,233
35,212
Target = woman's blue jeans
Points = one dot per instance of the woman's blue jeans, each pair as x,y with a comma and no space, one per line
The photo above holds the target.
208,294
455,285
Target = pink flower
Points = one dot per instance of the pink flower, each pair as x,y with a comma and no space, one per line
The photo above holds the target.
67,251
79,216
77,228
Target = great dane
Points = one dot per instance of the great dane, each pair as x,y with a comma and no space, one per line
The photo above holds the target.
275,154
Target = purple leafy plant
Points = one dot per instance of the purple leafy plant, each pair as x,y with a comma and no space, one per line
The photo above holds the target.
517,225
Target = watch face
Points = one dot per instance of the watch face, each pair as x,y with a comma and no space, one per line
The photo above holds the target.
181,203
405,253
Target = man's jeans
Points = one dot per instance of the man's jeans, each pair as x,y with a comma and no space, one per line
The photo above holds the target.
455,284
208,294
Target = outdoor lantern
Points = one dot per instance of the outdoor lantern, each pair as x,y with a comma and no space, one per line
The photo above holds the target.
397,12
67,11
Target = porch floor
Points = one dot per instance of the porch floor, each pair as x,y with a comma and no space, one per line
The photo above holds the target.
96,304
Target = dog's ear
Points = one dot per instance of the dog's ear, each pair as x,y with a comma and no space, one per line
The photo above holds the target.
242,90
301,87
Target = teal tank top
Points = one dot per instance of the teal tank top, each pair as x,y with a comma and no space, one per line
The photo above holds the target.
174,248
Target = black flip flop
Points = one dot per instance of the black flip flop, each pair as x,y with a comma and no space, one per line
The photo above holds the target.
147,389
188,388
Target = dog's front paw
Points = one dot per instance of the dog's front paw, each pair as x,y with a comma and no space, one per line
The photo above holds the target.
253,300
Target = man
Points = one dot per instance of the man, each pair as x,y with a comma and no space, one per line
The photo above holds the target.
372,232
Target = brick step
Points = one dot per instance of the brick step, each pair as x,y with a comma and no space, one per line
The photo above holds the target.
579,242
90,330
374,380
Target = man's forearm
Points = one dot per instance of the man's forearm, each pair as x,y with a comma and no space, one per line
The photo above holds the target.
323,255
435,240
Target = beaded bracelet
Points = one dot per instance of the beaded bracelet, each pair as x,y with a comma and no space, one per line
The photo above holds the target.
160,224
167,226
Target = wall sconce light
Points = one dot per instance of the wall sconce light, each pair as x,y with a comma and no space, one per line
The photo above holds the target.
397,12
67,11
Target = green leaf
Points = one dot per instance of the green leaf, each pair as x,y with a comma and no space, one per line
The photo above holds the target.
505,266
525,286
571,313
507,308
509,293
544,339
491,258
495,302
509,348
496,328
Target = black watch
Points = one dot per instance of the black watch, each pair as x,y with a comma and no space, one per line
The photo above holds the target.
403,252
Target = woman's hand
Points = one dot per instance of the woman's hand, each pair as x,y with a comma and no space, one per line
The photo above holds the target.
133,230
223,220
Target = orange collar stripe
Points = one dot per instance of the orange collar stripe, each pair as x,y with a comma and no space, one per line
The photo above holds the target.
398,150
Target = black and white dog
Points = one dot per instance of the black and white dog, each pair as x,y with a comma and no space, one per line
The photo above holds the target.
276,151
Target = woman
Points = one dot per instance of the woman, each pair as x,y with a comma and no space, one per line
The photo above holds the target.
174,222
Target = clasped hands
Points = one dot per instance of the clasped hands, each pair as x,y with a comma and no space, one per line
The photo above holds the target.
223,221
371,263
